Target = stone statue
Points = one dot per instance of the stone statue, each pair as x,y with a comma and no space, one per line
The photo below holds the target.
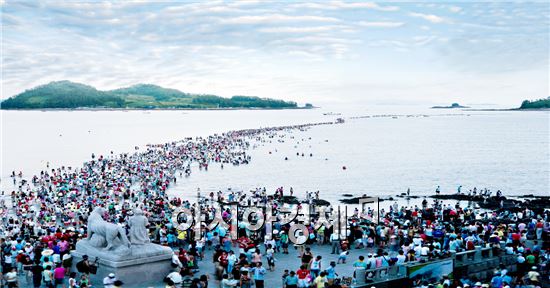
133,263
138,228
102,234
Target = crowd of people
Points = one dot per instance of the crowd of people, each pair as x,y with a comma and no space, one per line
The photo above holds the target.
44,217
403,235
48,211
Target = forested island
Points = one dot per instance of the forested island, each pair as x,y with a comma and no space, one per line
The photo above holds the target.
536,104
453,106
70,95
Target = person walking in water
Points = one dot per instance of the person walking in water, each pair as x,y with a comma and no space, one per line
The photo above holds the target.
437,190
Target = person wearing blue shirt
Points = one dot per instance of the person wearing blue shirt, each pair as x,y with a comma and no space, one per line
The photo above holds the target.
259,273
291,281
496,282
331,273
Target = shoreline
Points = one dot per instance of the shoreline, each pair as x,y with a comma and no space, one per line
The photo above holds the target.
155,109
508,109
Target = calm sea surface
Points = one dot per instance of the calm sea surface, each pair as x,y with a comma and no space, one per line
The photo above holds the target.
383,155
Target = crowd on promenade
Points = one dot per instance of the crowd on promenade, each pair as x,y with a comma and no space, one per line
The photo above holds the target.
45,216
403,235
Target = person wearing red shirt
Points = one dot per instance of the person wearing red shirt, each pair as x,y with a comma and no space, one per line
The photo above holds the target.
539,228
515,239
302,273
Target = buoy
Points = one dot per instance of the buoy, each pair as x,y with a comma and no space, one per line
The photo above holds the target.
344,167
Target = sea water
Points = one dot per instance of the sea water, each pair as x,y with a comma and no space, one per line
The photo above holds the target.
383,155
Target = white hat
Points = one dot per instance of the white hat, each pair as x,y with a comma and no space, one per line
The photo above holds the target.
112,275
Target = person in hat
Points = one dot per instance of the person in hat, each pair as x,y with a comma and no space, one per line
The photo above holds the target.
109,281
533,276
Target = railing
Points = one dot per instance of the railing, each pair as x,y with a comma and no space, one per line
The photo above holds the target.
381,274
474,256
476,260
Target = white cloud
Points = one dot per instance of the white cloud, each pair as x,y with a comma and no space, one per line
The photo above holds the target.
313,29
192,46
317,39
275,18
428,17
455,9
335,5
381,24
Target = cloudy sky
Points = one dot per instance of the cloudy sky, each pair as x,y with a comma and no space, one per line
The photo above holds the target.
318,52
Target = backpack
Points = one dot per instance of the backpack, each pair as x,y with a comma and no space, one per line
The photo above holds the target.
80,266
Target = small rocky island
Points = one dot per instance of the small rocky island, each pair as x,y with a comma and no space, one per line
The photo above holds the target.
453,106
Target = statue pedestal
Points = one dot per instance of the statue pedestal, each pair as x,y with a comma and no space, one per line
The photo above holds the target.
140,264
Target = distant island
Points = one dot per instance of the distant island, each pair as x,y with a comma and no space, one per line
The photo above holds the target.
453,106
535,104
70,95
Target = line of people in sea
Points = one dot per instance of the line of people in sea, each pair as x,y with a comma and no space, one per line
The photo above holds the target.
50,209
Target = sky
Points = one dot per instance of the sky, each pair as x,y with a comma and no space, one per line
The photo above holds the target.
316,52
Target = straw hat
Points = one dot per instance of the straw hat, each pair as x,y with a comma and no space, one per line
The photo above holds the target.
47,252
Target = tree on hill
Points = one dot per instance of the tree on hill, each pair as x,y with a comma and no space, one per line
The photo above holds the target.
62,94
536,104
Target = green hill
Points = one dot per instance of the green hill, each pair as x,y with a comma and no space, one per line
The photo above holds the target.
69,95
62,94
536,104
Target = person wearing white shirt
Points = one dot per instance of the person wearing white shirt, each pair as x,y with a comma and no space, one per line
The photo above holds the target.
109,281
520,259
231,260
417,240
424,251
176,277
176,261
401,258
335,240
371,262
